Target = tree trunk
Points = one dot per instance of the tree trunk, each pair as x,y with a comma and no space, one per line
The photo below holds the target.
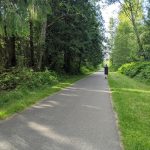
6,48
80,61
136,31
12,53
47,58
2,53
10,46
67,66
10,49
137,37
42,44
31,63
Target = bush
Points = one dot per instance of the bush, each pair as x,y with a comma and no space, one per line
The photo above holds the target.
88,69
26,78
9,80
128,69
140,70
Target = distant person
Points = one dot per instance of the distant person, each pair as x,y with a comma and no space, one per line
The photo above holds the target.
106,71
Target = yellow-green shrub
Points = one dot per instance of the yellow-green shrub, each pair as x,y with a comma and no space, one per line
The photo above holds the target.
140,70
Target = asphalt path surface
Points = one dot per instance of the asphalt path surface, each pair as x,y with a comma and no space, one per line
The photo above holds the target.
79,117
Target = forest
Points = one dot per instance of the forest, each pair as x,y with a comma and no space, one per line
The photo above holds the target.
54,34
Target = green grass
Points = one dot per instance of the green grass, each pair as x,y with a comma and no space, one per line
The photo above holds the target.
17,100
131,100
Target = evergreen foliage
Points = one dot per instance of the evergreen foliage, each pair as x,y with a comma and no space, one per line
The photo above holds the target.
59,35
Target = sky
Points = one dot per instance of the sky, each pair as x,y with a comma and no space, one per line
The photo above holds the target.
108,12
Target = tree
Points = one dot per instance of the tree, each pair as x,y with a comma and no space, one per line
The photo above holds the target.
111,37
145,37
55,34
125,46
76,36
133,10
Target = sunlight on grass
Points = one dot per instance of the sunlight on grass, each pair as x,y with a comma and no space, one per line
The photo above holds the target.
131,100
2,114
129,90
19,99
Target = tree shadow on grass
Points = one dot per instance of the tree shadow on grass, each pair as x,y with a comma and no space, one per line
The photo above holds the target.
119,90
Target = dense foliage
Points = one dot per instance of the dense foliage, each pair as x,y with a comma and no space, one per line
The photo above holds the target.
26,78
139,70
30,79
55,34
124,48
131,39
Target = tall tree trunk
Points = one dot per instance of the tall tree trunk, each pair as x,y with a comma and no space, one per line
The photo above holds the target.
31,64
136,30
67,65
42,44
12,51
80,61
47,58
2,53
141,51
10,47
6,47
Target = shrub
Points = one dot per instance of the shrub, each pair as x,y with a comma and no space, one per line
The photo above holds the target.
140,70
36,79
26,78
127,69
9,80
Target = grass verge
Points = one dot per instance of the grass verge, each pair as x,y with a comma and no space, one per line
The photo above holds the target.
17,100
131,100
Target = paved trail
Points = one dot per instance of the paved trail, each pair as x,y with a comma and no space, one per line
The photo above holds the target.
79,117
